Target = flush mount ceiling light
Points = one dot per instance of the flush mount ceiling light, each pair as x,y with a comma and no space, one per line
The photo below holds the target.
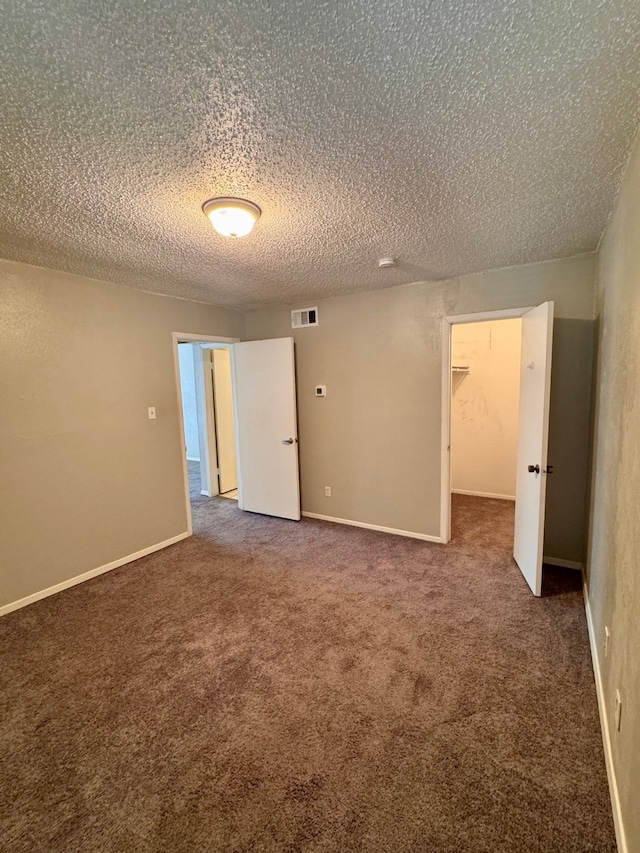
231,217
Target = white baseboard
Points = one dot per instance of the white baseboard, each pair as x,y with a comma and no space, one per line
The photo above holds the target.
604,726
565,564
424,536
44,593
483,495
193,458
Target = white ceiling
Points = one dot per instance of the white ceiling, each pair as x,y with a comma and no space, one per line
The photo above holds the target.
455,135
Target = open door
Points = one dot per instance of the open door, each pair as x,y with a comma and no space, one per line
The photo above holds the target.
266,427
224,420
531,477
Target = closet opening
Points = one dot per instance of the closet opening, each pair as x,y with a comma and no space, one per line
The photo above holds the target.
496,392
485,400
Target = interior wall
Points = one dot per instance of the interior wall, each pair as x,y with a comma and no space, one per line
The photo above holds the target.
85,477
484,407
375,437
613,576
189,409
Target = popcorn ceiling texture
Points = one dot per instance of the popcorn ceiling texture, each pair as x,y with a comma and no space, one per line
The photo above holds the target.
456,136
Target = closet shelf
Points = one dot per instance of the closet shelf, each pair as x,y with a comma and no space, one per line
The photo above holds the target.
460,368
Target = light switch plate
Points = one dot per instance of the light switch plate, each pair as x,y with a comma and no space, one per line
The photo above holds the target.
151,412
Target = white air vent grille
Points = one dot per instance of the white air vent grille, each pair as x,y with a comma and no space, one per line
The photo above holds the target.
304,317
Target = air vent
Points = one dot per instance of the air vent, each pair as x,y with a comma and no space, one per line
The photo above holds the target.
304,317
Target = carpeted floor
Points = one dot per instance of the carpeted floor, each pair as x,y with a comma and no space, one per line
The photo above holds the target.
193,470
273,686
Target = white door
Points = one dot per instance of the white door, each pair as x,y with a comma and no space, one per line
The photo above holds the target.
531,477
223,410
266,427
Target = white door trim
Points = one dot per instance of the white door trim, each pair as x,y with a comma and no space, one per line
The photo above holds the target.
445,427
184,338
189,338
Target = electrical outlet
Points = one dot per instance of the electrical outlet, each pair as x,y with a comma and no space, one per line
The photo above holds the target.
618,713
327,491
607,640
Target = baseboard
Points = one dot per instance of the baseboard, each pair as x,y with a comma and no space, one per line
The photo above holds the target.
424,536
565,564
604,726
101,570
483,495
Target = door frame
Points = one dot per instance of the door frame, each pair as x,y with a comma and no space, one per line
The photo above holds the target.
203,395
445,429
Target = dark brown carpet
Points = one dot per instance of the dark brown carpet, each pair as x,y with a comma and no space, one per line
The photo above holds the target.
273,686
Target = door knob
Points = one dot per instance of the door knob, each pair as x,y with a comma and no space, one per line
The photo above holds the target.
533,469
548,469
287,441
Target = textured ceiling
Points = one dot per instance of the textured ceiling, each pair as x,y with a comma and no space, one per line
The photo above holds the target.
455,135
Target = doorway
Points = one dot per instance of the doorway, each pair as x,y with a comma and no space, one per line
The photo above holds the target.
245,400
219,402
208,419
485,399
196,382
534,364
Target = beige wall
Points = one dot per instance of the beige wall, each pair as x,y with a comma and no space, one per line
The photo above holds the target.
375,437
484,407
85,477
613,572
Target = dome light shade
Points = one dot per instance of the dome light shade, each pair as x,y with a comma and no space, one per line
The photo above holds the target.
231,217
